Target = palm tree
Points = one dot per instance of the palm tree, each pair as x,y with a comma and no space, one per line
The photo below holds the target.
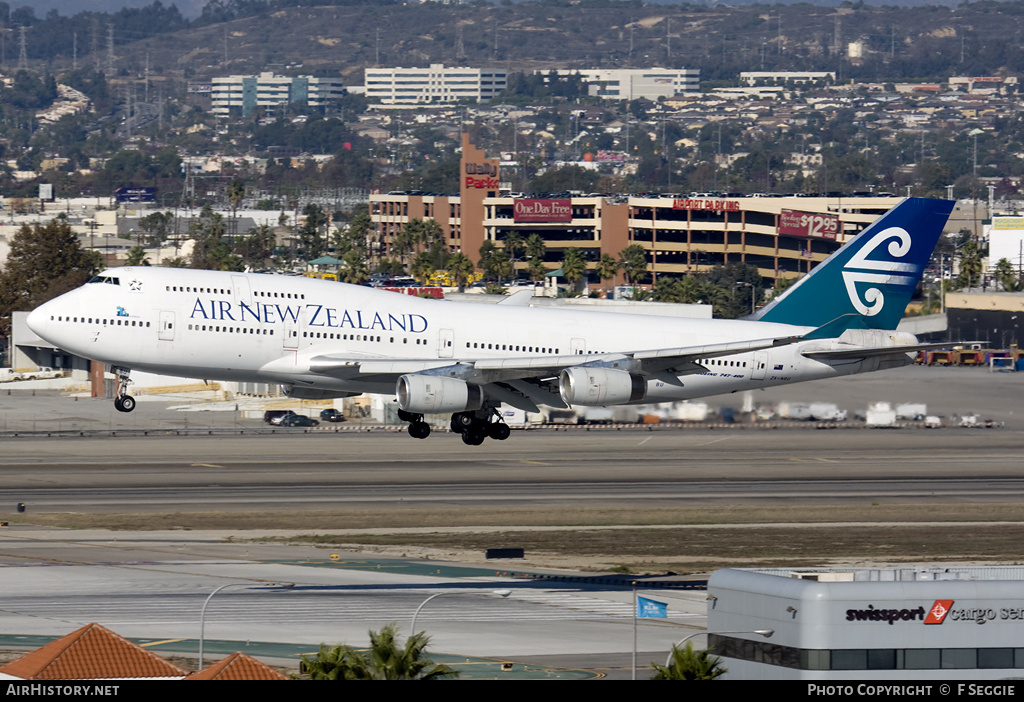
514,242
574,266
386,659
633,260
136,257
235,193
606,268
534,246
422,267
356,270
536,269
686,664
461,269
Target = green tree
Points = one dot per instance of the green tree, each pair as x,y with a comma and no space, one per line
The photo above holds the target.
535,247
970,264
136,257
633,260
1008,277
386,659
514,243
356,270
461,268
687,664
422,267
45,261
607,267
235,193
574,266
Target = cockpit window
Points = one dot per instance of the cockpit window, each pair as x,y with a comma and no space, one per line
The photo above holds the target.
112,280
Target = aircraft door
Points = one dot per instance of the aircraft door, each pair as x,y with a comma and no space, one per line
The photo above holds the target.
291,334
760,365
446,344
166,329
578,346
241,290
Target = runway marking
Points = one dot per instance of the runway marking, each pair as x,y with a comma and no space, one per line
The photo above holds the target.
708,443
206,465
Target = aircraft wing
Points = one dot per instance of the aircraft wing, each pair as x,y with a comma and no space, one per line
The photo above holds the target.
481,371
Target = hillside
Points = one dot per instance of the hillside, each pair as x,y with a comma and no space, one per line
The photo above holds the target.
897,43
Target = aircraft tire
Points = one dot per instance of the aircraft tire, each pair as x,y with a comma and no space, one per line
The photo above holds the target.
473,437
127,403
498,431
419,430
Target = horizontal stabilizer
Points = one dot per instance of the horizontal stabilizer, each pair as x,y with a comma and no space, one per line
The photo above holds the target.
865,352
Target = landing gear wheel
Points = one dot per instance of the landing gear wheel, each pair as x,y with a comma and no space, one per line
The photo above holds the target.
473,437
498,431
419,430
462,421
123,402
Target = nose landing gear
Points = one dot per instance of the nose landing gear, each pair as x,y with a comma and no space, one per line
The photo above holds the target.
123,402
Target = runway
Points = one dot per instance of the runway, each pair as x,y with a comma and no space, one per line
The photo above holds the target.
152,583
309,471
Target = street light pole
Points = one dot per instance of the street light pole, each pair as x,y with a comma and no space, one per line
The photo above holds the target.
202,614
412,627
767,633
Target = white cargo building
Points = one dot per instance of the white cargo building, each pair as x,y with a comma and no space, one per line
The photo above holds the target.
869,624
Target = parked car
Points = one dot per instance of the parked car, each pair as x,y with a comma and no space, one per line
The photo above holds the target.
332,415
276,416
298,420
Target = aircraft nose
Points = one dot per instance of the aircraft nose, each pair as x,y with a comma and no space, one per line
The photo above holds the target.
38,319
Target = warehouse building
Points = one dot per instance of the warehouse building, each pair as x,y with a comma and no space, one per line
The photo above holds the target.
869,623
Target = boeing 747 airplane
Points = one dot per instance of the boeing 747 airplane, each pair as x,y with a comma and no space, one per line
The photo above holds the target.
322,339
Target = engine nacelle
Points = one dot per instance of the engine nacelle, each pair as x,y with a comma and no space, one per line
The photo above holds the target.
589,387
314,393
427,394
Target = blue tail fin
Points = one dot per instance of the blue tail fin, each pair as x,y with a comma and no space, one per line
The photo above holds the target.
872,276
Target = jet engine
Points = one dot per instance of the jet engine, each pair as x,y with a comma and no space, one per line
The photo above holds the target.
427,394
588,387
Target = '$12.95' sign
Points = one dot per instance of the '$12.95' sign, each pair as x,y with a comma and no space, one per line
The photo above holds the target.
822,226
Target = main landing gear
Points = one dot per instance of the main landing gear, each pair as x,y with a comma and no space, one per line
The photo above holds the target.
123,402
474,426
477,426
418,429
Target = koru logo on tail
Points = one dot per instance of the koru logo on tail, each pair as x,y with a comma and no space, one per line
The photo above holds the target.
861,269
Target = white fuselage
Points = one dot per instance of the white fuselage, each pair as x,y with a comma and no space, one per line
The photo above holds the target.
267,328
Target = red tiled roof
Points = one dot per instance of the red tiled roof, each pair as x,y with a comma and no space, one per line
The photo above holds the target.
91,653
238,666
